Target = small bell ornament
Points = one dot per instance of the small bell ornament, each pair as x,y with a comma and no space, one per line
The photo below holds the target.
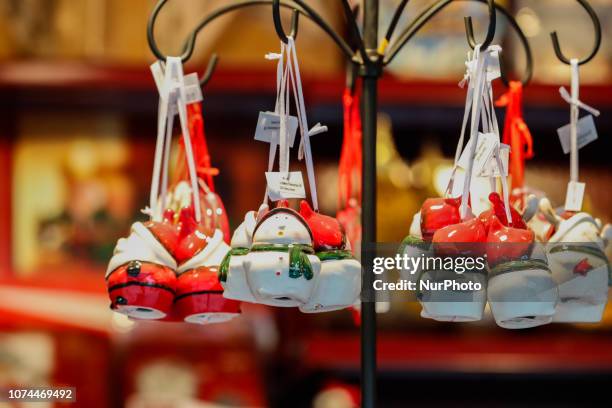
199,253
175,253
521,291
448,231
578,242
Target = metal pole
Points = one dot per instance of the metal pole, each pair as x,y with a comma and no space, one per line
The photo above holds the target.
370,71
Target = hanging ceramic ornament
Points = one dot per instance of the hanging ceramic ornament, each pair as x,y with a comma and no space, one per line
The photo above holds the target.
576,254
191,249
273,259
201,246
141,275
448,228
521,290
281,267
576,249
199,253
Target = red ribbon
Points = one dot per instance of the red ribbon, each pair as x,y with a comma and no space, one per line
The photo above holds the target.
516,133
200,149
349,169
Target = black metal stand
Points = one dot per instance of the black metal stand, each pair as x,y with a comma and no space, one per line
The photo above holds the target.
370,57
371,72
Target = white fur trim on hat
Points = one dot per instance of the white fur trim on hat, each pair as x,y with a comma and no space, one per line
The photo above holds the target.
140,245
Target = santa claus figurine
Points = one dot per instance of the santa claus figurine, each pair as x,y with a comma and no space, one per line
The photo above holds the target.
199,295
339,283
281,268
140,276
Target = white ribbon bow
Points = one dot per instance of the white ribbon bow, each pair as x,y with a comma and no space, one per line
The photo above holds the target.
568,98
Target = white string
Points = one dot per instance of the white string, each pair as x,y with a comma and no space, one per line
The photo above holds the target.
479,81
494,127
171,96
162,117
305,132
168,145
279,74
193,175
466,113
574,113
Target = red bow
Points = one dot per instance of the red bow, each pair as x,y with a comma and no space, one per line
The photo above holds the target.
349,171
200,149
516,133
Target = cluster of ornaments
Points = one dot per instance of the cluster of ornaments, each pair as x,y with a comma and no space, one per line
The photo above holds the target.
286,258
168,269
540,267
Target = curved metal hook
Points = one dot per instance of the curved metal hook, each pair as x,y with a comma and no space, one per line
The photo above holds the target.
524,42
278,24
210,70
395,19
596,46
419,22
189,46
469,28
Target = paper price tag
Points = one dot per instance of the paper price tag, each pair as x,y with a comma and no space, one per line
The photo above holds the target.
192,92
491,169
283,185
587,133
268,128
487,144
493,66
574,197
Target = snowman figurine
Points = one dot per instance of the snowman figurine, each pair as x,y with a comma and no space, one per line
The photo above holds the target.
576,255
140,276
339,283
231,272
281,268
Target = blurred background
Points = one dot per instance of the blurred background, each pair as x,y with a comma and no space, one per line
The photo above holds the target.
77,126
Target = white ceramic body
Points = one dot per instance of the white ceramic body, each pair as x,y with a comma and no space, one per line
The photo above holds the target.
236,286
582,297
268,277
454,306
523,299
337,287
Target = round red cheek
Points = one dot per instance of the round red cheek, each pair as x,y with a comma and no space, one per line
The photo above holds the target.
278,273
